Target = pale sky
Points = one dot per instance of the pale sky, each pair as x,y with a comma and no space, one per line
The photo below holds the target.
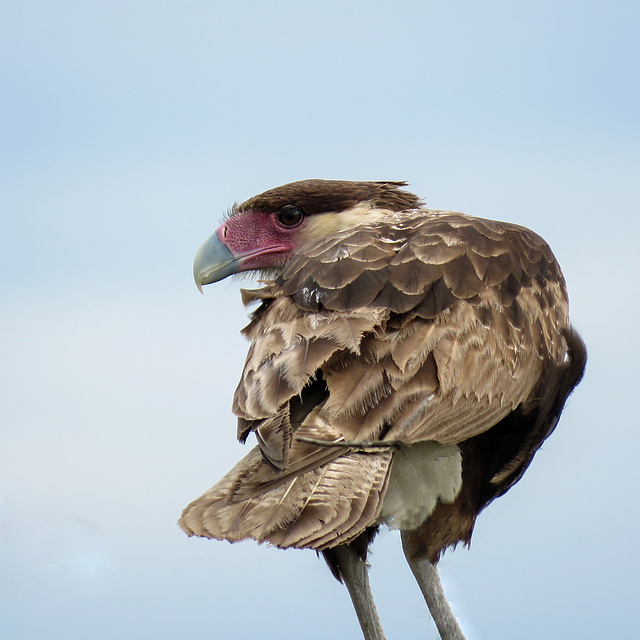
127,129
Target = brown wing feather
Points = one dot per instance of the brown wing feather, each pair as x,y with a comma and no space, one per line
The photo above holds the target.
422,326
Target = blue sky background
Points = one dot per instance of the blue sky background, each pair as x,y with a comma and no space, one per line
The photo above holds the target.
127,129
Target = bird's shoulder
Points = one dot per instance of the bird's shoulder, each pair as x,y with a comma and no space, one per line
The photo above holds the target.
420,261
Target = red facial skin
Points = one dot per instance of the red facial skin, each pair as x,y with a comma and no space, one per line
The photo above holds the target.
260,237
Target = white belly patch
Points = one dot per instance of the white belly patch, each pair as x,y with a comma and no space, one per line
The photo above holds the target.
421,474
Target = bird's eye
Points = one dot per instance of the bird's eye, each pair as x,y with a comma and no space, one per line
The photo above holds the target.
290,215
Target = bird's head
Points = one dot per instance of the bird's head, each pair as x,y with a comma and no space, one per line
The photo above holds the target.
264,232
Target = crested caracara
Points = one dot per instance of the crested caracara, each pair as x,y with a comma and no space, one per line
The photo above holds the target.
405,366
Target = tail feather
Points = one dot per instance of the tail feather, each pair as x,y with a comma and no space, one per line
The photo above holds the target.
327,505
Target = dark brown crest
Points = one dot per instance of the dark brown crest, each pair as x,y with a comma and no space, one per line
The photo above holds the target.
324,196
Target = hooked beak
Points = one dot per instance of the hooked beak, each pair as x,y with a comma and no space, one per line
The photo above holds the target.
214,261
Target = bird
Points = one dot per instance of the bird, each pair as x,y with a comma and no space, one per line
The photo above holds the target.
405,365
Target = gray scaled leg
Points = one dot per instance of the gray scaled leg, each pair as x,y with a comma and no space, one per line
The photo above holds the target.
429,581
353,570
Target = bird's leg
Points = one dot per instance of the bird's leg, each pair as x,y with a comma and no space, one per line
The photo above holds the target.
352,568
428,579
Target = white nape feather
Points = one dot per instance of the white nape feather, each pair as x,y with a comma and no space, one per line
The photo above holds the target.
421,474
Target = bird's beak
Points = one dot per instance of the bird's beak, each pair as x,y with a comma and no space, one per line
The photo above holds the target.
214,261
